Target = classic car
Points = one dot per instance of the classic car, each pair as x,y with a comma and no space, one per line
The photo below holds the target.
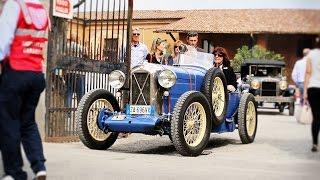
267,82
186,101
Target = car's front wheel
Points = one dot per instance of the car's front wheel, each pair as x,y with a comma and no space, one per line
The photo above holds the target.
87,115
191,123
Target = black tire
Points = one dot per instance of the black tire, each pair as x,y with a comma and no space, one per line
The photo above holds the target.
281,108
177,124
245,100
81,118
207,87
291,109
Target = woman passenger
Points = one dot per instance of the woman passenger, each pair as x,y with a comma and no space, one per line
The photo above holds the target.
221,60
157,50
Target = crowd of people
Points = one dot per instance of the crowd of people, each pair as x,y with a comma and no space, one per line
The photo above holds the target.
140,54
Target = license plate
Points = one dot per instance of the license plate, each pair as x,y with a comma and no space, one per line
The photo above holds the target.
140,109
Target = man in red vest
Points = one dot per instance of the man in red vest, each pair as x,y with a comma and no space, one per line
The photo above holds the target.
24,25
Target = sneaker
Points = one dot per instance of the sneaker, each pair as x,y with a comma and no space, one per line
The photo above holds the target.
41,175
314,148
7,177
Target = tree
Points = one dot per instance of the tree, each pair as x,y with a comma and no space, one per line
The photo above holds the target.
256,52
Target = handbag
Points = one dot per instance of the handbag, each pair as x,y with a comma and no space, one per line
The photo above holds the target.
305,116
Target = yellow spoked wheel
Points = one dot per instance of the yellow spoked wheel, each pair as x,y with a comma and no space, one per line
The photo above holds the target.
251,118
247,118
191,123
87,116
92,116
194,124
218,96
215,89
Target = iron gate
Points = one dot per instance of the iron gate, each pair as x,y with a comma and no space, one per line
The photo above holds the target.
81,54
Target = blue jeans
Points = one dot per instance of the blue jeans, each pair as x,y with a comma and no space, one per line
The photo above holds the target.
75,84
19,96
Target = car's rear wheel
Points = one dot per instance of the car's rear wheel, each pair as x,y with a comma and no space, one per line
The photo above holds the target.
247,118
87,114
291,109
215,89
191,124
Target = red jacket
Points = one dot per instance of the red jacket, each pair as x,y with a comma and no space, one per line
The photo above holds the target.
27,46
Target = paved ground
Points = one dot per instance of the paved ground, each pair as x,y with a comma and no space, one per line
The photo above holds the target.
281,151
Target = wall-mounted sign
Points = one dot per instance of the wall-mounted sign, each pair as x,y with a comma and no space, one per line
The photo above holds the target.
63,8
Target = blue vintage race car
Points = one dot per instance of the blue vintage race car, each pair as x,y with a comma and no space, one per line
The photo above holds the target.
186,101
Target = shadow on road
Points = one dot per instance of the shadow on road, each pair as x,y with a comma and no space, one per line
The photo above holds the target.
269,112
164,147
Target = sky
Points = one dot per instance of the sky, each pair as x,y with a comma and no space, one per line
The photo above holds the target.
224,4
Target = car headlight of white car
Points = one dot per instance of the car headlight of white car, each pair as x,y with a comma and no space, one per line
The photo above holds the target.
283,85
255,84
167,78
117,79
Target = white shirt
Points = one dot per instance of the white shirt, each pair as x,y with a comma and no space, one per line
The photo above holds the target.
299,70
8,23
314,58
139,53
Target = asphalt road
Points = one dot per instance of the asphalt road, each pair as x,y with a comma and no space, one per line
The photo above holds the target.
281,151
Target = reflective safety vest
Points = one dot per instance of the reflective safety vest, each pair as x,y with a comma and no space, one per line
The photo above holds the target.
31,34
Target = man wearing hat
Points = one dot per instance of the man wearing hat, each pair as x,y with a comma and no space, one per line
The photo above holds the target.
139,51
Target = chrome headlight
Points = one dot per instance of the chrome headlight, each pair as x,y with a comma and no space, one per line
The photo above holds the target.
167,78
255,84
283,85
117,79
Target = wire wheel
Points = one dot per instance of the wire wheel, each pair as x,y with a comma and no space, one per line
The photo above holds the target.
247,118
251,118
92,116
191,123
87,116
218,96
194,124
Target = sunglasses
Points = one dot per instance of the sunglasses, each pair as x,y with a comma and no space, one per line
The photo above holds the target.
218,54
136,34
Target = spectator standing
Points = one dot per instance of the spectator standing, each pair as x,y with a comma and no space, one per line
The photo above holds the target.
298,73
157,52
192,40
139,51
221,60
312,85
24,25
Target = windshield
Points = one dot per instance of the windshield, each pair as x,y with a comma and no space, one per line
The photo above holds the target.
194,58
272,71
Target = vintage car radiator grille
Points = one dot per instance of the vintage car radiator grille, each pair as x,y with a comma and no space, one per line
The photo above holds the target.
140,91
269,89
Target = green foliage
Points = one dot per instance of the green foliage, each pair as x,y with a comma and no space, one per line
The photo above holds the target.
255,53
